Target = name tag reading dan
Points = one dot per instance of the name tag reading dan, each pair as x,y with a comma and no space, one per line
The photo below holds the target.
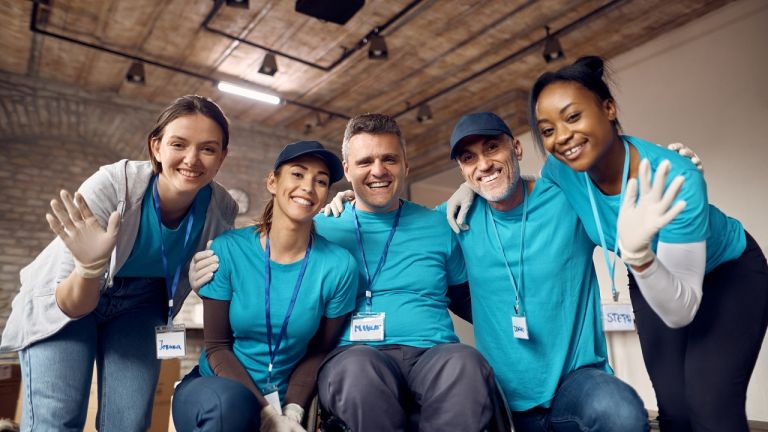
519,327
367,327
171,341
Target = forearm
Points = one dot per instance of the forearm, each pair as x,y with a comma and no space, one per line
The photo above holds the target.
301,385
77,296
672,283
226,365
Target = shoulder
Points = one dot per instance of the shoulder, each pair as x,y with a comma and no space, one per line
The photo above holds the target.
231,237
330,250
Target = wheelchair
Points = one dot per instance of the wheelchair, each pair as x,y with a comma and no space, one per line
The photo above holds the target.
322,420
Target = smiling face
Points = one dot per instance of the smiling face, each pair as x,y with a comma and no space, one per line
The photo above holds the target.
299,188
575,126
190,153
490,165
376,167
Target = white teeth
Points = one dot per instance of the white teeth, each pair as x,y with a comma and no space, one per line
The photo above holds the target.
378,184
488,178
187,173
572,150
302,201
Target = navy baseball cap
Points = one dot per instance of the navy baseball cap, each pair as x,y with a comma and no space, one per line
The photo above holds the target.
314,148
481,123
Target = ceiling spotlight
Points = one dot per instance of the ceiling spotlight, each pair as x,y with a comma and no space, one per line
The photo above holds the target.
424,115
377,48
269,65
249,93
242,4
136,74
552,49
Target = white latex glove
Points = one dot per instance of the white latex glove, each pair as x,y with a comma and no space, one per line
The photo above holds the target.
91,246
294,412
336,206
271,421
461,200
639,221
684,151
202,267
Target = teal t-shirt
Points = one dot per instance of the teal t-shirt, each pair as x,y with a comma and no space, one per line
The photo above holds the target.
146,259
698,222
559,290
327,290
411,289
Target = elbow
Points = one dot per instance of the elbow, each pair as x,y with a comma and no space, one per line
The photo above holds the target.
682,318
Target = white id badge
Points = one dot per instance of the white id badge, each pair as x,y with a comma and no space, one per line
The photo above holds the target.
273,397
171,341
367,327
519,327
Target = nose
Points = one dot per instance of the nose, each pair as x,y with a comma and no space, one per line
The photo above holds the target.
192,156
484,163
378,169
562,134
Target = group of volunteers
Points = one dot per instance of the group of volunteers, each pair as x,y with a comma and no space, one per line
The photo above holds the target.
355,308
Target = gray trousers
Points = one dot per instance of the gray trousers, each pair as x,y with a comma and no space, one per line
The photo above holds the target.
378,388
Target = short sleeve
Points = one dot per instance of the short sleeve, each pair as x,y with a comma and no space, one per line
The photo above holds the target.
456,269
692,225
343,299
220,287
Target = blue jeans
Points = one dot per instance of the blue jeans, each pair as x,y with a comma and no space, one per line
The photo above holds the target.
587,400
214,404
119,336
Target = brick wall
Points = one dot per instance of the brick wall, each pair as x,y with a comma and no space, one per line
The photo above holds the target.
54,136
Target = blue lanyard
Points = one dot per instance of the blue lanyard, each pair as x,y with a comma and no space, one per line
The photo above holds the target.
171,282
267,284
518,295
610,265
368,278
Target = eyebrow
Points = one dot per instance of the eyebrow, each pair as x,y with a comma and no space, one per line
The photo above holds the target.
307,169
181,138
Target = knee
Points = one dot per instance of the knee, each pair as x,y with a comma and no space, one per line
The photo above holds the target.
465,362
616,406
215,401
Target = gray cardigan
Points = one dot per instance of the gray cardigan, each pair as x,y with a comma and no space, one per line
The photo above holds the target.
119,186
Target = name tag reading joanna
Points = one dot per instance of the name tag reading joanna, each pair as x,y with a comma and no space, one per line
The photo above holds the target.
367,327
618,317
171,341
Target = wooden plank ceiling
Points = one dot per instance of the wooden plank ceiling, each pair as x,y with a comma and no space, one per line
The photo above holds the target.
440,51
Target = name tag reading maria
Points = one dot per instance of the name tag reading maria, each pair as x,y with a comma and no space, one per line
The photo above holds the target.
367,327
171,341
618,317
519,327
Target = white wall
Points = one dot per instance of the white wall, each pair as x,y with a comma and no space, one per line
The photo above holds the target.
704,85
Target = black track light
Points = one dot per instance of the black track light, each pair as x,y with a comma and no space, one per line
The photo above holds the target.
424,114
552,49
242,4
269,65
377,48
136,74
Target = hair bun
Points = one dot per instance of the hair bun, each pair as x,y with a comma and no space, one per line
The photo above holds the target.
594,64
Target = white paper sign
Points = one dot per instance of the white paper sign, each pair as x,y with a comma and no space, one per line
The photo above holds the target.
367,327
274,400
170,341
618,317
519,327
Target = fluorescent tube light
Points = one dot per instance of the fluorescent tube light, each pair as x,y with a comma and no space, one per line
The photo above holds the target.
249,93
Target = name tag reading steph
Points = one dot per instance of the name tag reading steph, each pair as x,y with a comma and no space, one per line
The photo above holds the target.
367,327
171,341
519,327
